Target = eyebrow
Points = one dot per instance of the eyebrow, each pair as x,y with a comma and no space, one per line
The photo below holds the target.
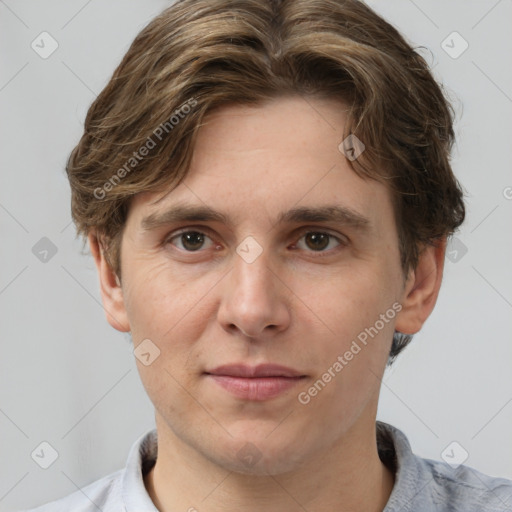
191,213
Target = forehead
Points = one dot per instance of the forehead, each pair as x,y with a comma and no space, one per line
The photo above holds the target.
265,159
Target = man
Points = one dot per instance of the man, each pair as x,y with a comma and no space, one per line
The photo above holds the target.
266,190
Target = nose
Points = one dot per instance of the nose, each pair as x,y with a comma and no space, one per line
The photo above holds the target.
255,301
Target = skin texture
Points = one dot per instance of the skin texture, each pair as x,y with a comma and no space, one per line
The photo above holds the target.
297,304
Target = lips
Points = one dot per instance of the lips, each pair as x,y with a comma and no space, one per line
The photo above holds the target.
262,370
258,383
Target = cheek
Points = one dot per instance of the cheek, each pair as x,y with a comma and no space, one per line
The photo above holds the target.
160,300
165,309
356,348
172,309
350,300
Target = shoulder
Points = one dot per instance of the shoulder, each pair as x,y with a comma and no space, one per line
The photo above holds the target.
103,494
424,485
466,489
113,492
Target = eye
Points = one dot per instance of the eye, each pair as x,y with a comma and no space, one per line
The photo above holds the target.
194,240
318,241
191,241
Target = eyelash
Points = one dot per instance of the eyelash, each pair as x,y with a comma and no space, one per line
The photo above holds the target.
342,243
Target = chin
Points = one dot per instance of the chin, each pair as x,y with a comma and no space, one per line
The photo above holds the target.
261,457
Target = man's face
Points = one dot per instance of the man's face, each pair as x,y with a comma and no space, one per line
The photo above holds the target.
255,289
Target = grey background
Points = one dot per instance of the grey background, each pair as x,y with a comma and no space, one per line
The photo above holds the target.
68,378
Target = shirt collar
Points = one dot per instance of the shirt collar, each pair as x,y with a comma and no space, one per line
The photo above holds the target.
141,459
411,476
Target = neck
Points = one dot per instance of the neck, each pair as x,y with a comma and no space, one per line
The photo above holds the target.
349,476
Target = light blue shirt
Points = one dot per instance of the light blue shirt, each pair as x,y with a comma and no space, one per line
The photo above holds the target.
421,485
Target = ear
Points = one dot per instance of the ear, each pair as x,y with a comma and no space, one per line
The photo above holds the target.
110,287
422,288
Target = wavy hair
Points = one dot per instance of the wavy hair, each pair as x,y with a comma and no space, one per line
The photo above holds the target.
198,55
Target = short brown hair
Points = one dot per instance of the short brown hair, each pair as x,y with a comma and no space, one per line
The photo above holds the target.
202,54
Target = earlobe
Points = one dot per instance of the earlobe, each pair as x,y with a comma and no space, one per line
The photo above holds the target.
422,288
110,287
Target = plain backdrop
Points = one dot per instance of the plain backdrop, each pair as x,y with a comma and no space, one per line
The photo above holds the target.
68,379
